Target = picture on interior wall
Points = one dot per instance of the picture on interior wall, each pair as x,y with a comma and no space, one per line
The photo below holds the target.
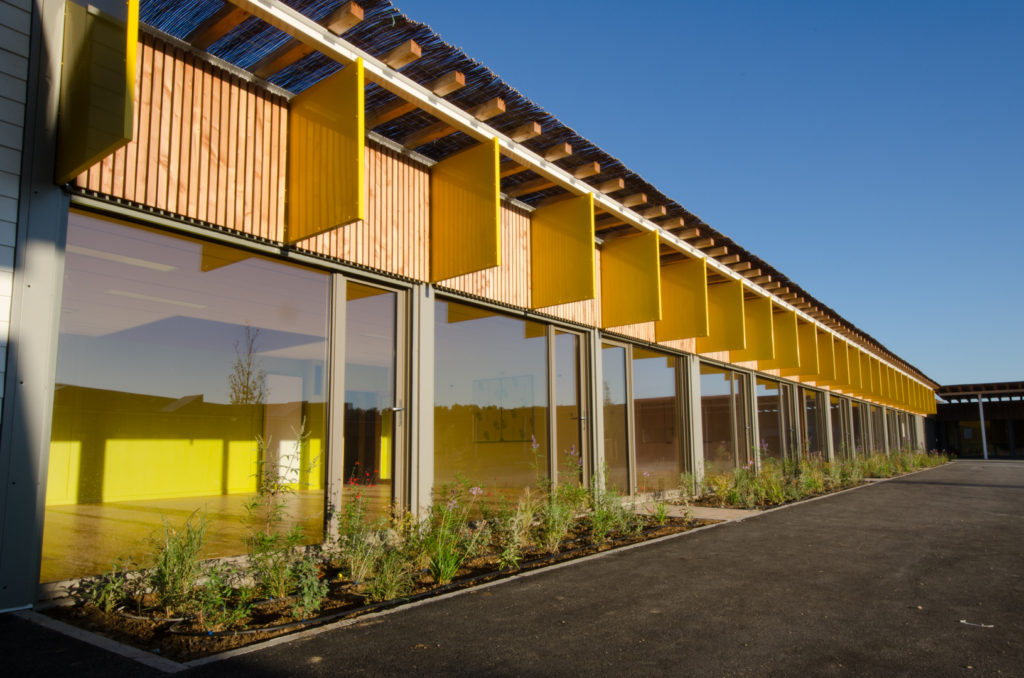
510,417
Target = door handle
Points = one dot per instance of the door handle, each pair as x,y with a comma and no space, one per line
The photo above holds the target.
395,409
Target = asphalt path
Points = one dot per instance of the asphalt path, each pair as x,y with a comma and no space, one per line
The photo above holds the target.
917,576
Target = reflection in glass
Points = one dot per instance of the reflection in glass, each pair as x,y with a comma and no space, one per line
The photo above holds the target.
568,419
857,416
659,458
182,368
370,352
877,429
841,448
723,395
616,445
490,398
769,419
812,419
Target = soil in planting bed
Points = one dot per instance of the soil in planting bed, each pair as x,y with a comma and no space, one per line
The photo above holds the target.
183,640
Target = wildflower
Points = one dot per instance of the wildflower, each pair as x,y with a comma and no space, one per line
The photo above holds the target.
475,491
534,445
453,504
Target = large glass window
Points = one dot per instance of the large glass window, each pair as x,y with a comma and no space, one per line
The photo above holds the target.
185,372
724,417
656,414
857,415
877,429
569,418
490,398
770,419
841,447
813,422
616,440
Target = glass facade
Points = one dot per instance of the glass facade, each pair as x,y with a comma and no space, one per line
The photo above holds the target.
842,448
724,417
770,419
185,372
656,413
812,420
616,417
858,421
490,398
370,396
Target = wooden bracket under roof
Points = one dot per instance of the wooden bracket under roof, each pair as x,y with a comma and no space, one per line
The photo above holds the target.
442,86
217,26
484,111
653,212
717,251
526,131
403,55
729,259
634,199
339,21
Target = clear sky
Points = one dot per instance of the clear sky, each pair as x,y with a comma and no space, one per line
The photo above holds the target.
872,151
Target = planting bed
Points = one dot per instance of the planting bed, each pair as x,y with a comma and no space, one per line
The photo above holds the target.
183,639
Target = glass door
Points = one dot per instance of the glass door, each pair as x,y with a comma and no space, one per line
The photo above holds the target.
569,462
374,397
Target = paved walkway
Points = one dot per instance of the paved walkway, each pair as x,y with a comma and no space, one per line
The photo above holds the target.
918,576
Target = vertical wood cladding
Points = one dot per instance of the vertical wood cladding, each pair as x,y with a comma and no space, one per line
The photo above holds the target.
508,283
395,235
207,145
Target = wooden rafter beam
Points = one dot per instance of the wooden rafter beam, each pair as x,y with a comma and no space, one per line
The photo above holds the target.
742,266
634,199
525,131
752,273
530,186
403,55
587,169
484,111
443,86
339,21
729,259
672,224
761,279
703,243
773,285
556,152
688,233
717,251
551,200
612,185
654,212
217,26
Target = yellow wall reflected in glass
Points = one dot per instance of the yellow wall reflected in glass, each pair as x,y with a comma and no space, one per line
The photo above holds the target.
182,369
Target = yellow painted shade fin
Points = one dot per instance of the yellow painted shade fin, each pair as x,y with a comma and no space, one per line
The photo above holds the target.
760,338
97,86
326,155
465,212
842,358
725,319
630,280
826,358
684,299
787,347
562,252
807,340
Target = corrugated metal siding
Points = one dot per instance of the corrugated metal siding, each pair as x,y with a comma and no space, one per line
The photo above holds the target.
508,283
395,235
15,27
207,145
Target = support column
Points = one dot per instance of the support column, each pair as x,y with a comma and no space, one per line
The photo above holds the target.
984,438
695,429
596,395
421,409
35,321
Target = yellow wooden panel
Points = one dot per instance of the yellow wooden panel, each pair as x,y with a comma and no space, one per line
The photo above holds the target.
842,359
562,252
725,319
326,155
630,280
760,338
826,358
787,347
684,300
97,86
465,212
807,340
853,360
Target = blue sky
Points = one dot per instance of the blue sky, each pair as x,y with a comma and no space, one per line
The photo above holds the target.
871,151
